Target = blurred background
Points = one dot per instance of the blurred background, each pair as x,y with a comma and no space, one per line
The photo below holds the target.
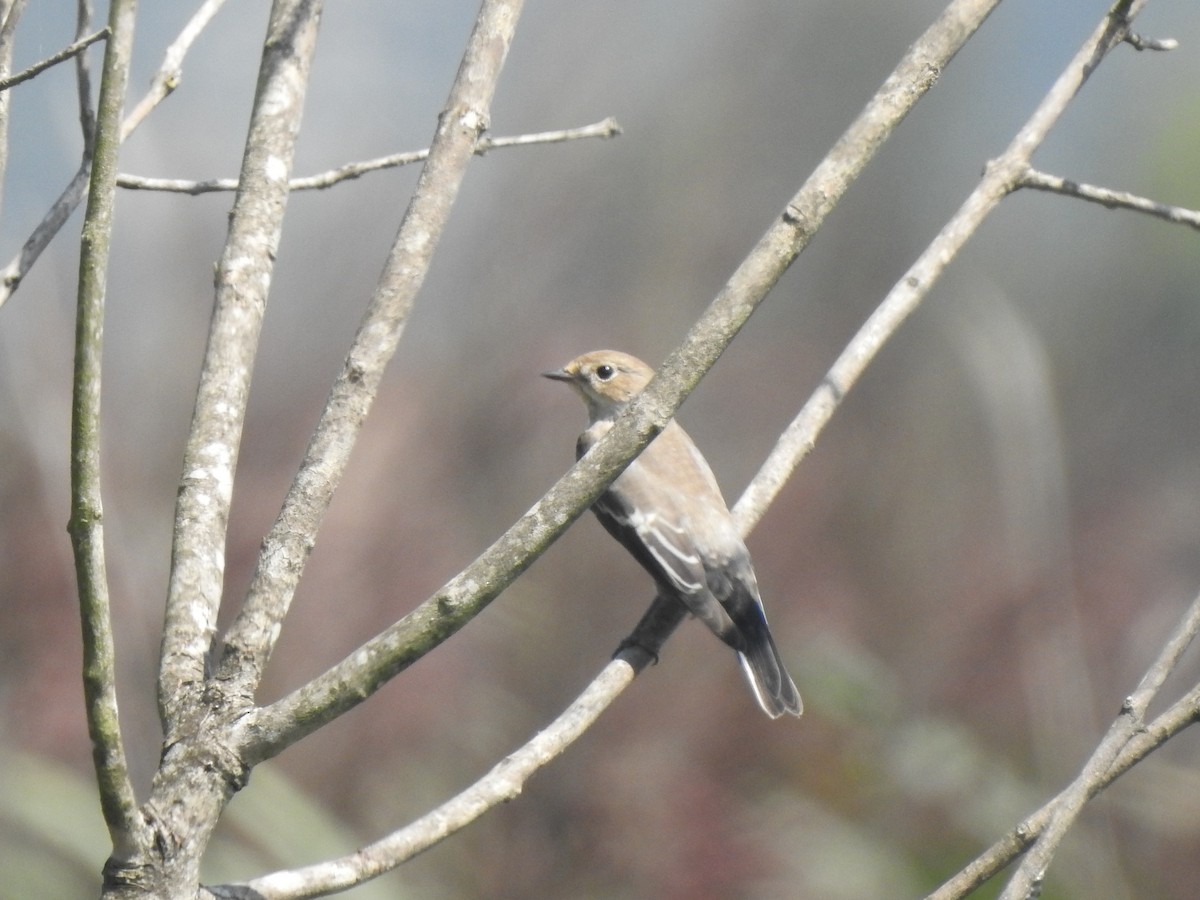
967,576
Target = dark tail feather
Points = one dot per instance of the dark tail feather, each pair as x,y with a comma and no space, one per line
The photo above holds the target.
773,687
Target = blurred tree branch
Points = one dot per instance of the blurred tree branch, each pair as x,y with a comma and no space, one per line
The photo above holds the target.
68,200
1127,742
1138,42
67,52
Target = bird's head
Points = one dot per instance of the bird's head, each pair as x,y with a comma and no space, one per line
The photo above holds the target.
606,380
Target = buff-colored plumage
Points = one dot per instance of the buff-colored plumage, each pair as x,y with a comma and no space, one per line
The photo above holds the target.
667,510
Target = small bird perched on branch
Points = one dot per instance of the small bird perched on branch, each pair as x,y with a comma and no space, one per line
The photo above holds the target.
667,510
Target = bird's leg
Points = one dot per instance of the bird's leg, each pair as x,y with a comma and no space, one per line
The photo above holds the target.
642,646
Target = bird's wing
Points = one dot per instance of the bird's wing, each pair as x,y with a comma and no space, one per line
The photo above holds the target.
664,547
653,524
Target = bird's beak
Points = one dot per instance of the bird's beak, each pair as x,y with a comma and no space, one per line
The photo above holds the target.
559,375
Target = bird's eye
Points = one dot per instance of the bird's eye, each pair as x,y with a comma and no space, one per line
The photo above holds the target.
605,372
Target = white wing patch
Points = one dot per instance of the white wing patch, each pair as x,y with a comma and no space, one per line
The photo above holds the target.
662,539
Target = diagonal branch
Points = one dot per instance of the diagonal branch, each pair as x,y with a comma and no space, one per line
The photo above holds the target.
117,798
606,129
67,52
170,72
242,284
252,636
1002,176
269,730
1027,881
1136,741
12,274
504,782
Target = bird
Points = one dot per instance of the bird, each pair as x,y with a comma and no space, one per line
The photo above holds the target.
667,510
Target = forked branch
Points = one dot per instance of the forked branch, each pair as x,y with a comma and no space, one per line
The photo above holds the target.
251,639
1128,741
348,683
168,76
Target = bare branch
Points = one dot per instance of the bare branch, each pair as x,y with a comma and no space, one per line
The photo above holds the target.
606,129
242,284
39,239
170,73
252,636
83,84
1042,181
1136,741
10,15
117,798
62,55
1137,42
1003,175
269,730
504,782
12,274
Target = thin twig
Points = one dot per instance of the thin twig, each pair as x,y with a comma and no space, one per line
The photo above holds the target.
13,273
170,72
605,129
1138,741
1137,42
1041,181
61,56
117,798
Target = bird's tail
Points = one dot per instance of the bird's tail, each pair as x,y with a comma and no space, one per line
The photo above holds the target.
773,687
